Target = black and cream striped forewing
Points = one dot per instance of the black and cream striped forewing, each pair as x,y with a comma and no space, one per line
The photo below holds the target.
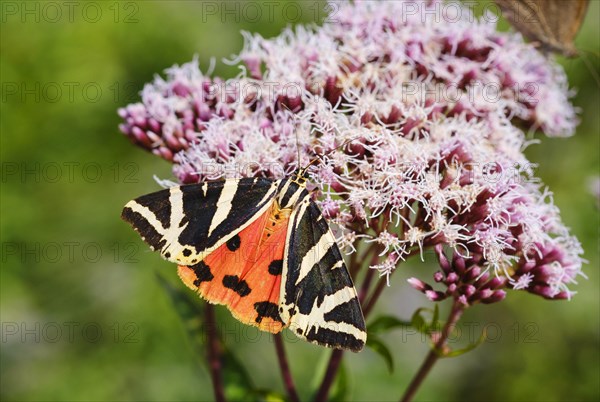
318,298
186,223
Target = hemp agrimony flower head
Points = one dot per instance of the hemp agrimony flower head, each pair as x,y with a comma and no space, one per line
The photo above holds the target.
430,109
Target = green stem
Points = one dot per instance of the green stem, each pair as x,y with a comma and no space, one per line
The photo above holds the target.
435,353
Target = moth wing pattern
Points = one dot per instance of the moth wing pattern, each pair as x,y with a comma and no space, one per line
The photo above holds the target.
552,23
318,296
244,274
260,247
186,223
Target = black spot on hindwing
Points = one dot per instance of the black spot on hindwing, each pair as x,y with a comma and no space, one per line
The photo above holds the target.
202,272
234,283
275,267
234,243
266,310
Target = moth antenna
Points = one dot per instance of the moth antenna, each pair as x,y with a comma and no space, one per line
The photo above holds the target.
297,142
298,149
348,141
319,158
343,144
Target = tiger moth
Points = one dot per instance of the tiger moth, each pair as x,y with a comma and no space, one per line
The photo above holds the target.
260,247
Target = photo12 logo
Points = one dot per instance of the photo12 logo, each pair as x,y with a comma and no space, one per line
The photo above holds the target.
70,252
267,11
69,92
69,172
69,332
53,12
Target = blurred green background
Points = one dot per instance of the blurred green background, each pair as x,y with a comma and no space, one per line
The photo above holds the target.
83,315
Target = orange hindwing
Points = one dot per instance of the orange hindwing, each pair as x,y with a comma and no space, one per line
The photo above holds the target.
244,274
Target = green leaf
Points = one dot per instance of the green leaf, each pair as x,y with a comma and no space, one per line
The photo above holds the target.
190,310
435,320
464,350
382,350
237,382
265,395
339,390
187,306
385,323
319,371
418,322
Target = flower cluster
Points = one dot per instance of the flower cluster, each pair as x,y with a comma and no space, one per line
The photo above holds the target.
417,124
464,280
175,110
384,57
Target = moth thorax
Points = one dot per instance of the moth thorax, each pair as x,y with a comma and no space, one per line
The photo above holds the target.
277,217
291,193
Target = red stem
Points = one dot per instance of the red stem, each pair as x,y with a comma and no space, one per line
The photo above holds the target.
336,355
370,303
362,294
332,368
288,380
364,289
354,267
213,350
434,354
368,306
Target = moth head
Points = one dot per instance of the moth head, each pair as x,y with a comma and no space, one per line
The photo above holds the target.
301,175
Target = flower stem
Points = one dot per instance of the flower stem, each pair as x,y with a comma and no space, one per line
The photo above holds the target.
213,350
336,355
368,305
364,289
435,353
288,381
332,368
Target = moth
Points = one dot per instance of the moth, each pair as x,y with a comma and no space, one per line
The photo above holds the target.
260,247
552,23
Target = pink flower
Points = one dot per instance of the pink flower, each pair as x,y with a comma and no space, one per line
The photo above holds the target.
415,151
